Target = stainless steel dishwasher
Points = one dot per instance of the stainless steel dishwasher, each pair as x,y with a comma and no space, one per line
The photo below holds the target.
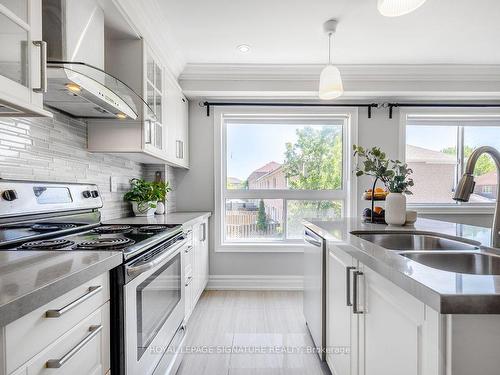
315,289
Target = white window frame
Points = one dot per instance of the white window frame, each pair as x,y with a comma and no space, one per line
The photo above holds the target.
447,114
348,194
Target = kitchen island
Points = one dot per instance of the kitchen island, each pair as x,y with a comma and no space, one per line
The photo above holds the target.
389,314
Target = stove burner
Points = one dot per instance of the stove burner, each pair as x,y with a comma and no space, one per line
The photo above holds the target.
153,228
46,245
105,244
50,227
113,229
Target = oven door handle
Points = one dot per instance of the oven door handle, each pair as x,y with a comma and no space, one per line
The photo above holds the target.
133,271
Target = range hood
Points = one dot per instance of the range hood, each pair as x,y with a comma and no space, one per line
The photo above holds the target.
77,82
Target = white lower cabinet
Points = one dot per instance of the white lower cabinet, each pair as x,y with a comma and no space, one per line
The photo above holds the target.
398,333
373,326
69,335
342,324
196,264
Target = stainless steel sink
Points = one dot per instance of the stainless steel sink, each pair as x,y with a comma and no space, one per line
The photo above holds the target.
471,263
415,241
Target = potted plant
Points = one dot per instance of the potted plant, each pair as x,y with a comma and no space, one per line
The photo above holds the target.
161,189
394,174
143,196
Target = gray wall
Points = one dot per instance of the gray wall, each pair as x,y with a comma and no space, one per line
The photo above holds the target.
55,150
196,190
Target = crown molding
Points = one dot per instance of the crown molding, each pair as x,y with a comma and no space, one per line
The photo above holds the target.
286,72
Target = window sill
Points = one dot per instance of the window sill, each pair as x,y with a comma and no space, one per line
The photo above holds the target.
295,247
458,209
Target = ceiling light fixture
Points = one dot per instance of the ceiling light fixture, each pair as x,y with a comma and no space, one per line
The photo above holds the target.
243,48
330,80
396,8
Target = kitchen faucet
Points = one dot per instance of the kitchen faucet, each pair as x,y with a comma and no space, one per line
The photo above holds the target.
466,187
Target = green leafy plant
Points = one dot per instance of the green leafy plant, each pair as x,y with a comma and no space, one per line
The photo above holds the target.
161,189
146,193
394,174
142,192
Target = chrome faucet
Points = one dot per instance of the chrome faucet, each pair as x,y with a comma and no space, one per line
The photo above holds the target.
466,187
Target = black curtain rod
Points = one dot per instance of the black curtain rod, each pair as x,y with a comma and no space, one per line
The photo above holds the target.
369,106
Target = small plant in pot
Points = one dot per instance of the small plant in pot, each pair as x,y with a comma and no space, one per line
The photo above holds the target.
394,174
143,197
161,188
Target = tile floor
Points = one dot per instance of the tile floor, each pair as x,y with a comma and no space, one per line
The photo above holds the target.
253,324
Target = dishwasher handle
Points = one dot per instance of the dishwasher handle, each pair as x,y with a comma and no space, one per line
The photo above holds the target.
313,239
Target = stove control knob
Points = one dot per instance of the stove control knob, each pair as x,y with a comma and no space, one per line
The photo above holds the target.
86,194
94,193
9,195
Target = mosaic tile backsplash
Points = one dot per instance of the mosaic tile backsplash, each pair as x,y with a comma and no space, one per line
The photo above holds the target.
55,150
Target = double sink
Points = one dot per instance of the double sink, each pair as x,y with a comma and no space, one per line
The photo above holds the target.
437,251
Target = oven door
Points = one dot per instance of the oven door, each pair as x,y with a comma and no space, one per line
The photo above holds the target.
154,308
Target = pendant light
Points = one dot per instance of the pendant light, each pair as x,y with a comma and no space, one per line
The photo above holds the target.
330,80
396,8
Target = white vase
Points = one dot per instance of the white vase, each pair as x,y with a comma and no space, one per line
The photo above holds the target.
143,208
395,209
160,208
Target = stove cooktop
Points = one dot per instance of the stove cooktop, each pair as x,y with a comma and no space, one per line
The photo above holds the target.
130,239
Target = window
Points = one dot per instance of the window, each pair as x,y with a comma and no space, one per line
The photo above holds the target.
276,170
437,149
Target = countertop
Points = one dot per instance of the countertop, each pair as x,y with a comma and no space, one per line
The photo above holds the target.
445,292
183,218
30,279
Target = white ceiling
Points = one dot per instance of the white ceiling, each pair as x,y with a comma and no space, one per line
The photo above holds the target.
290,31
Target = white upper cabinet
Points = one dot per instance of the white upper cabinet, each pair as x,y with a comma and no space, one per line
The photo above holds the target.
159,134
22,59
177,124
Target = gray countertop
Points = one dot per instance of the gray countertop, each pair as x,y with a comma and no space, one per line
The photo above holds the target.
30,279
446,292
183,218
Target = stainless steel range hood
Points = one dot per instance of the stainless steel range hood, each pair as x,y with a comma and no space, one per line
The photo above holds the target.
77,82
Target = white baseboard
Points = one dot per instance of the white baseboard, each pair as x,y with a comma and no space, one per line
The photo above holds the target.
255,282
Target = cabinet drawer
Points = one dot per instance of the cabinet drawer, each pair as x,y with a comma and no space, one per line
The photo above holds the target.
78,352
30,334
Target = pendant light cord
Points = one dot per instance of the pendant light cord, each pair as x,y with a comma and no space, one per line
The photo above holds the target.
329,48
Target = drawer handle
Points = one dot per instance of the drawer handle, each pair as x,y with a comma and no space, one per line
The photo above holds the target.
57,313
57,363
189,279
188,249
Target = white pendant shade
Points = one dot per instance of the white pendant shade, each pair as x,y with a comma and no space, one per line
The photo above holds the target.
330,83
395,8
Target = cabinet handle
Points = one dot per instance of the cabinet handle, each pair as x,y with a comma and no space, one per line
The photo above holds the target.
204,226
57,313
57,363
149,132
189,279
43,66
188,249
182,149
348,284
355,308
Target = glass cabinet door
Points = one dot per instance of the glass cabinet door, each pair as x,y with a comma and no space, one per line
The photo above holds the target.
154,84
14,39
